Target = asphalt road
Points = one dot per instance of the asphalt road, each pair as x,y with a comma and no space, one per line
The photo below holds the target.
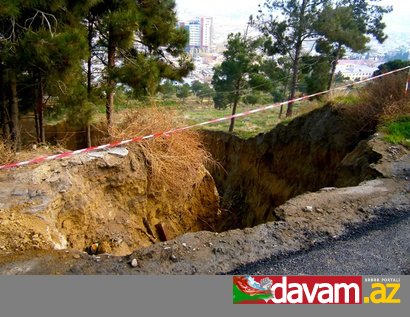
379,250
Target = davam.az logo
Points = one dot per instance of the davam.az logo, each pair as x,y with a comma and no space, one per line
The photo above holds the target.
314,290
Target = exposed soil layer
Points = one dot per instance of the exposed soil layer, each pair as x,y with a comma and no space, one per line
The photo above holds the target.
210,253
69,205
100,201
320,149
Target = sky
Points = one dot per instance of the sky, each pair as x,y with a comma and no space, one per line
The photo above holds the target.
236,12
233,11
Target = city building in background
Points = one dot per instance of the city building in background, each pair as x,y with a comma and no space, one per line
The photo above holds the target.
200,32
206,33
357,69
194,29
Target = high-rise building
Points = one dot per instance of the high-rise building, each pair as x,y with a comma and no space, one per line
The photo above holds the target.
200,34
206,33
195,34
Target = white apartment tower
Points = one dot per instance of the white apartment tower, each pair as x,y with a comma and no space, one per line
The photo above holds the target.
194,28
200,34
206,33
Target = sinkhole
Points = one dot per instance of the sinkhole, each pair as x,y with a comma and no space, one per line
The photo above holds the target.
105,205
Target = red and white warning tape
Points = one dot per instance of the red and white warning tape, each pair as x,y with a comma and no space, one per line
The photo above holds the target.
42,159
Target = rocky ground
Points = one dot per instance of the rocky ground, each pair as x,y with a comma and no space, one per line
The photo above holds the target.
305,222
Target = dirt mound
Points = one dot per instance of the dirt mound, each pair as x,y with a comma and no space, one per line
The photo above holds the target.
100,200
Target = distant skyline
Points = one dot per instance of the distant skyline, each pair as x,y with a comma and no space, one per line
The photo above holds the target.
235,13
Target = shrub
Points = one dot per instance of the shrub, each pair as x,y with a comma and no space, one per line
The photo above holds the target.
176,163
378,102
385,96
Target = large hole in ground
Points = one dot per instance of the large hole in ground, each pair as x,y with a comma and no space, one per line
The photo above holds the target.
325,148
105,205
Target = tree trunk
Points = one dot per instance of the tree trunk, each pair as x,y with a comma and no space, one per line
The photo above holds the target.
40,112
298,49
281,111
88,135
90,57
235,104
110,81
294,82
14,112
89,77
4,118
334,65
285,90
232,125
37,125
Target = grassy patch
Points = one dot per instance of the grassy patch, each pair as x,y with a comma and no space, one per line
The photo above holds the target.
245,127
345,98
398,131
192,111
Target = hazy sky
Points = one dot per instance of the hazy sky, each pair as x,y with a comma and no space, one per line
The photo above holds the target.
238,11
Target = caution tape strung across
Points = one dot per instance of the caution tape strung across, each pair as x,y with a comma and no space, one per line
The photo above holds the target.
43,159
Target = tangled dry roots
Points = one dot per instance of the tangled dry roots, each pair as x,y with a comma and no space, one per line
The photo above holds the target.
7,154
176,163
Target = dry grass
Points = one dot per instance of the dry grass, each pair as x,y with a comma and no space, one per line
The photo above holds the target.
33,151
396,110
379,101
384,97
304,107
7,155
176,163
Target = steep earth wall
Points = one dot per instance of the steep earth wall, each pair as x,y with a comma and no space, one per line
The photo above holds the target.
100,200
320,149
105,197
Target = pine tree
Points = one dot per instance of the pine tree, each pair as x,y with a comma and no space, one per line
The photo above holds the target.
55,47
9,34
286,26
202,90
347,24
144,37
183,92
315,73
389,66
238,72
168,88
43,45
337,24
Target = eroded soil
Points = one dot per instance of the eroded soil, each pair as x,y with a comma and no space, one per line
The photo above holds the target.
100,200
304,221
